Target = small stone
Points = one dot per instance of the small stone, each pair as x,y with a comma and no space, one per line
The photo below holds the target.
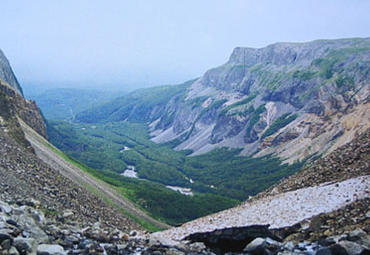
356,235
12,222
133,233
5,208
4,235
50,249
368,214
6,244
197,247
327,232
68,213
289,246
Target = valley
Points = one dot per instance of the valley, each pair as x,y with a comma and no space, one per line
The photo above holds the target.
158,166
266,154
214,141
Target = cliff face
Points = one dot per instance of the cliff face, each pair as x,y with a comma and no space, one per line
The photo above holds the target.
7,75
13,105
292,99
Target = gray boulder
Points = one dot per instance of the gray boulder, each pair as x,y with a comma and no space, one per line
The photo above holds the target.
352,248
256,247
24,245
50,249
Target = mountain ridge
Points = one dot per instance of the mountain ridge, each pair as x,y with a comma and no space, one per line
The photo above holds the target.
277,99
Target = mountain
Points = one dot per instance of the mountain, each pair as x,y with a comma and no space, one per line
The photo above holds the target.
294,100
52,204
7,74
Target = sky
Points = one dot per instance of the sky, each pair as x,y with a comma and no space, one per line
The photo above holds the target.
137,43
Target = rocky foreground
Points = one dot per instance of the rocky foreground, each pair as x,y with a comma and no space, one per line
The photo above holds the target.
43,213
26,229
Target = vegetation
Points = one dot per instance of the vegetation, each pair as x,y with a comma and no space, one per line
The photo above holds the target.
255,117
304,75
279,123
239,103
344,82
214,175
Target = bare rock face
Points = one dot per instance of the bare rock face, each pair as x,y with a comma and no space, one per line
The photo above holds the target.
13,104
277,99
7,75
293,100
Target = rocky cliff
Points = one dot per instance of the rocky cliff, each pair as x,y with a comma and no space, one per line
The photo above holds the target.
13,105
295,100
7,74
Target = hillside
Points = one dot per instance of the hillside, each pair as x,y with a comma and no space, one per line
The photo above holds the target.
295,100
329,198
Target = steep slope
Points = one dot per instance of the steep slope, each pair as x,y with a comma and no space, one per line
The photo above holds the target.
330,197
23,174
7,75
295,100
50,156
13,104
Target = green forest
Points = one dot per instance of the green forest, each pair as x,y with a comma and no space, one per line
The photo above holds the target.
219,179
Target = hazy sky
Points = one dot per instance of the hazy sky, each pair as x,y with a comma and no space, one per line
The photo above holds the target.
118,42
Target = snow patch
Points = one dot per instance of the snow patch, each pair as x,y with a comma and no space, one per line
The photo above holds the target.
282,210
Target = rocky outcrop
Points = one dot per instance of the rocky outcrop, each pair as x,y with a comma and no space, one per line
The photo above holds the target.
14,105
293,100
7,74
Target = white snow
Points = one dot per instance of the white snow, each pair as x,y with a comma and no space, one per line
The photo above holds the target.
130,172
125,148
184,191
285,209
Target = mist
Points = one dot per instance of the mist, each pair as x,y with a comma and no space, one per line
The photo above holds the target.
130,44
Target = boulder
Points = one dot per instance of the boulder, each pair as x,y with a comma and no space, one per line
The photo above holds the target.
24,245
50,249
352,248
256,247
323,251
